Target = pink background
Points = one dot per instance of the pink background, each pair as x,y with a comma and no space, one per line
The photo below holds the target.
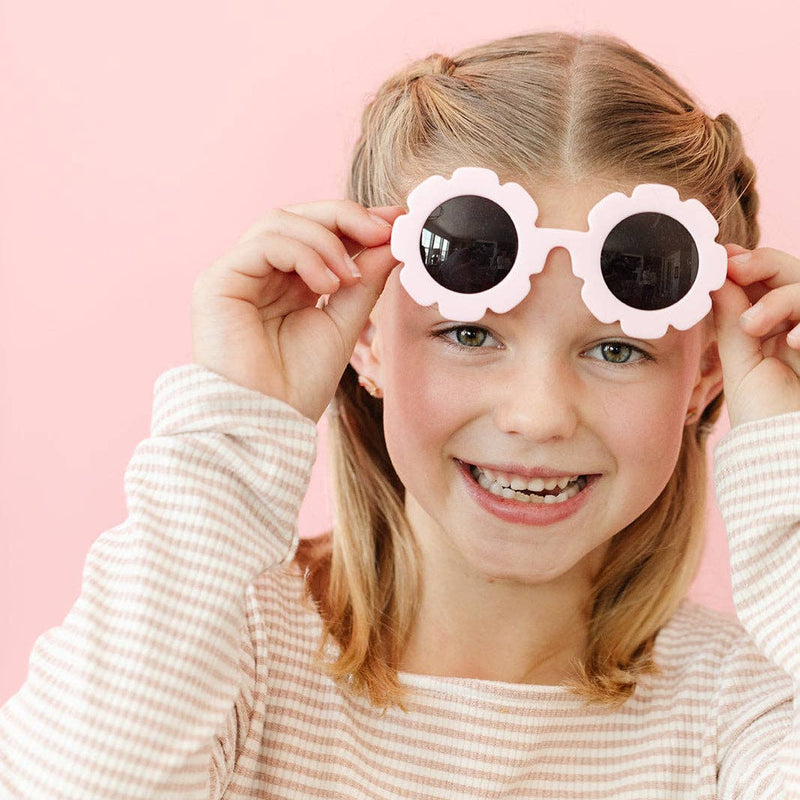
140,140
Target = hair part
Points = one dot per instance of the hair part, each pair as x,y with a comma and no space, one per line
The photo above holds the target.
546,106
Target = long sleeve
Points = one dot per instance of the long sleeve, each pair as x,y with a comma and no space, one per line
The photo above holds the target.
757,471
124,699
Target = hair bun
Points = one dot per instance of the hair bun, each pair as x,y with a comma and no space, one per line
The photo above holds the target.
442,65
434,64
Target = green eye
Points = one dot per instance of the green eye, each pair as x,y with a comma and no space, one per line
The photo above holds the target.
467,337
616,352
470,337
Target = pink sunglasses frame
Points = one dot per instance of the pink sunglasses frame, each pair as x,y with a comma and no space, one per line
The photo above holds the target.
534,244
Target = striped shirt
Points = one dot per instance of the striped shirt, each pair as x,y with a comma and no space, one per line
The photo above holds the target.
185,667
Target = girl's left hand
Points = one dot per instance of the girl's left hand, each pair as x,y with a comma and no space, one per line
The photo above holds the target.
760,363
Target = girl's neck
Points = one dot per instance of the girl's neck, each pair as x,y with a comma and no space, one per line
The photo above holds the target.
458,638
474,626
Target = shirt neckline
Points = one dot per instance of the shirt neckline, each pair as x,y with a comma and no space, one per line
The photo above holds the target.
480,688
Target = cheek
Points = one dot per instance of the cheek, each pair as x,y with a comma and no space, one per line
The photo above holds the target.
645,439
422,412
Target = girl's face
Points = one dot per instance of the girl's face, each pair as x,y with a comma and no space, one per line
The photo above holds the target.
544,391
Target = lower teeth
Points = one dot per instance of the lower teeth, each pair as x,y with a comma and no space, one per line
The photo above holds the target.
510,494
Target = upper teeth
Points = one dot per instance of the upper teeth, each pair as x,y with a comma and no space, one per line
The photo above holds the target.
518,483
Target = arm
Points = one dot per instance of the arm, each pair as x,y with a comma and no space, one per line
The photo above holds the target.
757,471
127,697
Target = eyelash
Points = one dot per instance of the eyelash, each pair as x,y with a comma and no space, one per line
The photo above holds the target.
642,355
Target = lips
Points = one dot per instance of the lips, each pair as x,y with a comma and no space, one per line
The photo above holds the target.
544,473
521,512
533,490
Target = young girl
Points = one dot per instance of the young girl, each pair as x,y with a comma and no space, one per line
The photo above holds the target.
499,610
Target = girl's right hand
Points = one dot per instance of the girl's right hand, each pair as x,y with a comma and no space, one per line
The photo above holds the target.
255,314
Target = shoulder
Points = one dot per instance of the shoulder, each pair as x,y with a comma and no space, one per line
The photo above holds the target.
715,679
696,630
282,627
288,595
701,649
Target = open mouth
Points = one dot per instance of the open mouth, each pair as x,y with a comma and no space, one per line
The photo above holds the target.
535,491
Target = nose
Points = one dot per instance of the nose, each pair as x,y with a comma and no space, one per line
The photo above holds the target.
540,398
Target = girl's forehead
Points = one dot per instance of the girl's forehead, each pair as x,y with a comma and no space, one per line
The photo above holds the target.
567,204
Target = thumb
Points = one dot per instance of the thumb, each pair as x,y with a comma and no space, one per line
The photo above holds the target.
738,351
349,306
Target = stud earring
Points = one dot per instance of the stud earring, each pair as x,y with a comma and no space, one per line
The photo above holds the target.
370,386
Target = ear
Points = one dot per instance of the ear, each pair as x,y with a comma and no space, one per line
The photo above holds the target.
366,357
709,376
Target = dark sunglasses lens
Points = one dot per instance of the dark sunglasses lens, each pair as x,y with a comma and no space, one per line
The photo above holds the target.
468,244
649,261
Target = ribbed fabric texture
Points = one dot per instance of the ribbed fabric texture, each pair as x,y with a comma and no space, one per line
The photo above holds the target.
185,668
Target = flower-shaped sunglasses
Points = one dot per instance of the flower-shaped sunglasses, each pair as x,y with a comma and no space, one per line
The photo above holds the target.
471,244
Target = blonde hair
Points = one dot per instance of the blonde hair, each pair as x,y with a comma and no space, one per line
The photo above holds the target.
551,106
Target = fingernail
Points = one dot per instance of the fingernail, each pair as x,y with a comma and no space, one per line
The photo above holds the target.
353,267
793,337
381,221
333,276
753,313
742,258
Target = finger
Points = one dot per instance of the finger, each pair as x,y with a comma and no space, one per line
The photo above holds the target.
244,271
345,219
387,214
739,352
335,229
779,307
378,215
734,249
793,337
323,241
350,306
755,290
772,267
